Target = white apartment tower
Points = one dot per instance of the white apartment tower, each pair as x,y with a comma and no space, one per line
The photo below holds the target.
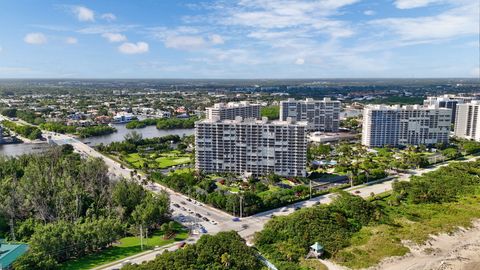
448,101
251,146
229,111
467,123
321,115
407,125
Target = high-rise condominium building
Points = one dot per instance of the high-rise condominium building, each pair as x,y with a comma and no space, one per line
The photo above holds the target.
229,111
406,125
467,124
321,115
448,101
250,146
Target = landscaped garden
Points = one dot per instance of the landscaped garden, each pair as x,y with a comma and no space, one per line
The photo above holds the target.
150,154
154,160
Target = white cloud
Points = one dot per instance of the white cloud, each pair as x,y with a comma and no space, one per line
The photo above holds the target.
114,37
452,23
184,42
216,39
83,14
408,4
109,17
369,12
133,48
35,38
100,29
71,40
275,14
300,61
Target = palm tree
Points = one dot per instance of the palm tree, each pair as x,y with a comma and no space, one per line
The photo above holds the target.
225,259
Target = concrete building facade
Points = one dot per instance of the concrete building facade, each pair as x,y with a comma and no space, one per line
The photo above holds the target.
408,125
251,147
467,124
448,101
321,115
229,111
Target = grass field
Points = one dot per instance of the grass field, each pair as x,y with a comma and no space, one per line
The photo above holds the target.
126,247
408,222
165,160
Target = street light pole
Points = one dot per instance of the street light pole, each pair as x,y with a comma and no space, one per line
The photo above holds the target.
310,188
241,206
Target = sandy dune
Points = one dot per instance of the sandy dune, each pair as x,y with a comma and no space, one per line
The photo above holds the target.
456,251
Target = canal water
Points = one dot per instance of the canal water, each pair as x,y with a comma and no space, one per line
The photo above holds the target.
147,132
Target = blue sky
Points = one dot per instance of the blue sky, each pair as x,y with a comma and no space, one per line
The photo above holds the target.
239,39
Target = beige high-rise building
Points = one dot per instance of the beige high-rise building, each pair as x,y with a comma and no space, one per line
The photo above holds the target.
321,115
467,123
251,146
405,125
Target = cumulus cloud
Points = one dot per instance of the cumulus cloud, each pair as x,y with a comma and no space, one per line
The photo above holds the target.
83,14
216,39
300,61
114,37
71,40
133,48
369,12
109,17
35,38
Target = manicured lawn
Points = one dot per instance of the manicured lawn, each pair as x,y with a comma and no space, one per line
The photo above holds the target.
126,247
165,162
135,160
172,158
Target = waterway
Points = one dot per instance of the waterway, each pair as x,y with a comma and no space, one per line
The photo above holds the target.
147,132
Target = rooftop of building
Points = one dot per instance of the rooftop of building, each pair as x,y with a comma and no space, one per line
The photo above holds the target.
233,104
325,99
404,107
450,97
10,252
263,121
